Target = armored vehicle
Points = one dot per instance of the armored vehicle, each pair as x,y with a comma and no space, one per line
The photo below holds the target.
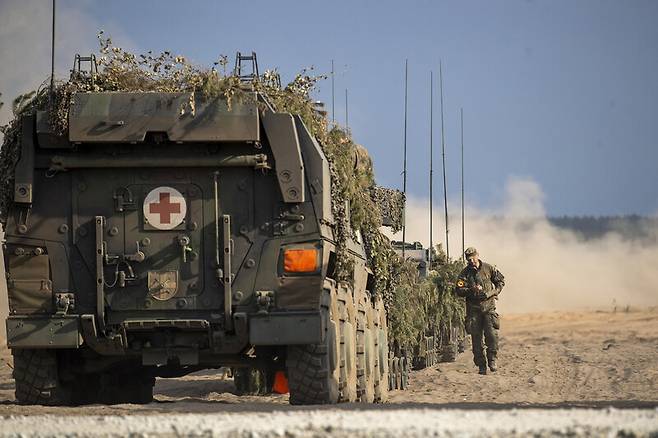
165,234
414,252
443,337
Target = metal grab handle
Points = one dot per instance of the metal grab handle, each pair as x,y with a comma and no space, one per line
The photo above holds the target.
227,280
184,243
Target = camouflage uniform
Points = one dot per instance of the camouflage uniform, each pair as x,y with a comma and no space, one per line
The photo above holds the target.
481,316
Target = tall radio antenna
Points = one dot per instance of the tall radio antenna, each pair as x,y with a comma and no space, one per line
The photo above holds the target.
443,151
52,61
333,106
404,168
431,165
462,129
347,114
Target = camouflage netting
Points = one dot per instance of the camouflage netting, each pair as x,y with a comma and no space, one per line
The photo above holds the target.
391,203
445,310
414,305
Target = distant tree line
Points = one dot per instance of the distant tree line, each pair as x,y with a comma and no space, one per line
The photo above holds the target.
631,227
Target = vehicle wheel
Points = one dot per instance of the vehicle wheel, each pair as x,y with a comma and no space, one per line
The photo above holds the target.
365,349
449,352
429,360
314,370
404,373
239,381
142,389
391,375
87,389
37,379
461,345
396,372
252,381
381,387
348,323
117,387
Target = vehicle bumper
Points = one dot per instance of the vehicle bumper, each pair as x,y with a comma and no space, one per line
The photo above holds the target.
289,328
43,332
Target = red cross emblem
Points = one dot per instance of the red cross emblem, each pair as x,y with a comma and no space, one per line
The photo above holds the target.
164,208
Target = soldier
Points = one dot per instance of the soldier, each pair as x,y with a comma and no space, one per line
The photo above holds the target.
480,283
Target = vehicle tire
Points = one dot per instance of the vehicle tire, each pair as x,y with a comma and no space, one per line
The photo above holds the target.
118,387
314,370
252,381
267,386
429,360
381,386
396,372
420,362
348,323
37,379
365,348
391,375
404,373
461,345
86,389
240,381
142,389
449,352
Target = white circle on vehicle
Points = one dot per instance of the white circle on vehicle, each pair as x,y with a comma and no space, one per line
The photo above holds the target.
164,208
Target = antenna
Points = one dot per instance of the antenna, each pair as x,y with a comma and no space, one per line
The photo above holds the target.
461,111
333,107
52,61
347,114
443,151
431,163
404,169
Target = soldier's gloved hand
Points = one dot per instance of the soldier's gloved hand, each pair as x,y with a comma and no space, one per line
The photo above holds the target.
481,295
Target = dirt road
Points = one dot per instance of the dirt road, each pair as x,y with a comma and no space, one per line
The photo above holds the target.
587,359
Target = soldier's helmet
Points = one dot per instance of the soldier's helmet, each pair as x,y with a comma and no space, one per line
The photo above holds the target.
470,251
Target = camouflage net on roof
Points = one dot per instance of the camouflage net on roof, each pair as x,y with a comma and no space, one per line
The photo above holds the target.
414,306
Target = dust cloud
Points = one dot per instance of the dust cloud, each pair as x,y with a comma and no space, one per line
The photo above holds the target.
546,268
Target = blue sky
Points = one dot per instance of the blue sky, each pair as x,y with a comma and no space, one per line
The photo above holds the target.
562,92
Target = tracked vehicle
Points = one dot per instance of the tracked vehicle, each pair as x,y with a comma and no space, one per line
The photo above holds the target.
166,234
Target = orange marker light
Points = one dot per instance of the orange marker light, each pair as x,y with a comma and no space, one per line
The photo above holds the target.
300,260
280,383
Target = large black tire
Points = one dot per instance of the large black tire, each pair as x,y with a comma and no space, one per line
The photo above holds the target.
314,370
253,381
365,348
348,324
449,345
461,345
391,374
135,387
381,385
404,373
37,379
449,352
397,374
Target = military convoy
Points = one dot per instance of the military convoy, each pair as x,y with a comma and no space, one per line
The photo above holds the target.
164,234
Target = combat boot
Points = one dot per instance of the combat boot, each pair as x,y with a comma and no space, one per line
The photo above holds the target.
492,365
483,369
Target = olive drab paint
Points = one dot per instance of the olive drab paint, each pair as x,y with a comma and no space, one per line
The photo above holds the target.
151,237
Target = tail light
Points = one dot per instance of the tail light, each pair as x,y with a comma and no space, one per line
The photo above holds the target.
296,260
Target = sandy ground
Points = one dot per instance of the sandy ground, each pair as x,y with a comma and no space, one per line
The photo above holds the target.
552,358
586,360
